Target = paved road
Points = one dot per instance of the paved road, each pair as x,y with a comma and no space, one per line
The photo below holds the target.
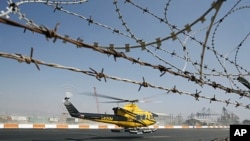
107,135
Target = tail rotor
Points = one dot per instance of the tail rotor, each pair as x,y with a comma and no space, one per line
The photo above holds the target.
68,95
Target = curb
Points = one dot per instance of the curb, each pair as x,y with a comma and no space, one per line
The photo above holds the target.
86,126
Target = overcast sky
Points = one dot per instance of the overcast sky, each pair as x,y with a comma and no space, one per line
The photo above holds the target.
26,91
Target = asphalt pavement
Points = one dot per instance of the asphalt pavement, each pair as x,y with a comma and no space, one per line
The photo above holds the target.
107,135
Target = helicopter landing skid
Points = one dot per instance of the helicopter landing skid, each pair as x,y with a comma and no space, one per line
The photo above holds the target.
142,130
135,130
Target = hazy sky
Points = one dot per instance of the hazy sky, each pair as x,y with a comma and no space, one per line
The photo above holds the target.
26,91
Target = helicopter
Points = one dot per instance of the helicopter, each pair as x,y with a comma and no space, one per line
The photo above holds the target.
130,118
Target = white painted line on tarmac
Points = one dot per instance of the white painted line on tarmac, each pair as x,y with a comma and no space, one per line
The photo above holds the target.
93,127
111,126
1,126
50,126
73,126
25,125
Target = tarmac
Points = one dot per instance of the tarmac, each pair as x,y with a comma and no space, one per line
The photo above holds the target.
87,126
179,134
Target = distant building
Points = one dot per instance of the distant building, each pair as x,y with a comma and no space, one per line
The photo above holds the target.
53,120
169,119
209,117
18,119
3,118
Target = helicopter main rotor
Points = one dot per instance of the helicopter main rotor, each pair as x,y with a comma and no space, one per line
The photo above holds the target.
117,100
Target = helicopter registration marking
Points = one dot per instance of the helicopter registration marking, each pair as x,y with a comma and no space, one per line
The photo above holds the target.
107,118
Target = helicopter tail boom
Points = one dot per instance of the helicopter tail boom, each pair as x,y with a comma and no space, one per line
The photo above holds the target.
71,108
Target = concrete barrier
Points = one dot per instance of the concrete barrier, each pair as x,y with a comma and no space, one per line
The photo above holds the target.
87,126
10,125
39,126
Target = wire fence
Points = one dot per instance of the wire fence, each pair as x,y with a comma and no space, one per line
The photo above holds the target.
198,72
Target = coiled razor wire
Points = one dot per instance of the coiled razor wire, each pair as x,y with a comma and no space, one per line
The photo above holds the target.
200,74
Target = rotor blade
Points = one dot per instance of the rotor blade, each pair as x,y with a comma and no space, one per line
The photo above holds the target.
119,101
149,101
68,94
101,95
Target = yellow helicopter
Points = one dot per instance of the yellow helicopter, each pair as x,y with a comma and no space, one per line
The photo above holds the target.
131,118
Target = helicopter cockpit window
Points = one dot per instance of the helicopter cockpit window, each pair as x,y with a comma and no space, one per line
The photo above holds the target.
150,117
140,117
143,117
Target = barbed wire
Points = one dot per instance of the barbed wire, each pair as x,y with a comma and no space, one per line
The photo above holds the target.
13,6
200,73
158,40
99,75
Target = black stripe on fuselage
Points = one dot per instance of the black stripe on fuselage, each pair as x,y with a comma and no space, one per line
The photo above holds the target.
95,116
125,111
